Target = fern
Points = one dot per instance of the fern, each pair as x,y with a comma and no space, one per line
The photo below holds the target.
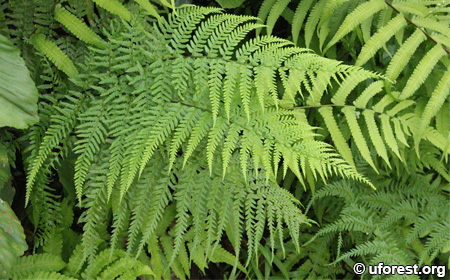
273,135
77,27
192,141
391,207
105,265
115,7
31,264
55,54
393,21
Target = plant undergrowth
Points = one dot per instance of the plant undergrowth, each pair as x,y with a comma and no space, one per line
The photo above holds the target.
230,139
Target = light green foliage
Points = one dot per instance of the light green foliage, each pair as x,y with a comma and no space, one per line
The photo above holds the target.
105,265
162,112
77,27
183,139
55,54
399,20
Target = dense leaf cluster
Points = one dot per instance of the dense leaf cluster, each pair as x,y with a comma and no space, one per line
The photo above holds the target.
178,136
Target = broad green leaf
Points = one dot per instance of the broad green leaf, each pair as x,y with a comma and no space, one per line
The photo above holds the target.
18,94
12,239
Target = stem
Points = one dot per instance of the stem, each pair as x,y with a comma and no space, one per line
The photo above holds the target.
418,27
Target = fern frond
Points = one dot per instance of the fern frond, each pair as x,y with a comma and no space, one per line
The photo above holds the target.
275,12
102,261
422,71
375,136
380,38
350,115
91,135
76,261
149,7
312,20
160,96
368,93
48,275
114,7
389,135
355,18
265,9
298,19
336,134
54,53
77,27
404,54
438,97
443,119
32,264
346,87
59,129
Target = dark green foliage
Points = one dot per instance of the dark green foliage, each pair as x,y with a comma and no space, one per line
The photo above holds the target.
171,138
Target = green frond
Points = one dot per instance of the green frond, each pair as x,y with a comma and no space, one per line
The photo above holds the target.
60,128
244,88
399,132
422,71
159,133
375,136
198,133
371,247
186,132
437,242
336,134
114,7
149,7
275,12
215,87
403,55
355,18
121,218
432,24
214,137
91,134
147,213
48,275
102,261
350,115
222,255
77,27
76,261
389,135
183,200
368,93
312,21
380,38
265,9
346,87
438,97
443,119
298,19
34,263
182,132
320,85
54,53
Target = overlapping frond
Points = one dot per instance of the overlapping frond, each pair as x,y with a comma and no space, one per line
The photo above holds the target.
379,215
387,109
208,99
